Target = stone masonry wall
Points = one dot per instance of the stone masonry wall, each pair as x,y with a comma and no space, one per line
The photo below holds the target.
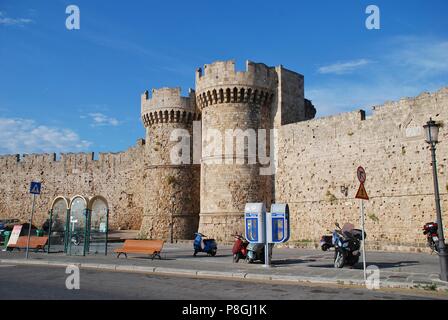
170,190
316,175
318,158
171,187
116,176
231,100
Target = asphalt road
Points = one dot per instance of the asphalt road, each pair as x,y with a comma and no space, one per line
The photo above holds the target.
30,282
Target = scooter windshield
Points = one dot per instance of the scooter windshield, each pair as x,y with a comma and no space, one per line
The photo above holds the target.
348,227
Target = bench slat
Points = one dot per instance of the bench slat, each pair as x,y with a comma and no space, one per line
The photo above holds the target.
35,242
151,247
23,240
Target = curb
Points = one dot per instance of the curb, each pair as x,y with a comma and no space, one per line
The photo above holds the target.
385,283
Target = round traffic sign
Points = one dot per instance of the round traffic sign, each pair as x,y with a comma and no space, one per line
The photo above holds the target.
361,174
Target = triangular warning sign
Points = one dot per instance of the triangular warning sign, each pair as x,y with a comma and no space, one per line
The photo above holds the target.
35,188
362,193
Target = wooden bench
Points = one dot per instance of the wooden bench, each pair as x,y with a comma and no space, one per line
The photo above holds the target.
151,247
36,243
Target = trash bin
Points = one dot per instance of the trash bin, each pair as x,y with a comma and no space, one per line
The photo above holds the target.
6,235
40,233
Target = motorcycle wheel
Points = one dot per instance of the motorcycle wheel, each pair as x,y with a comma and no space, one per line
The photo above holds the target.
249,260
236,258
353,260
213,253
195,253
339,260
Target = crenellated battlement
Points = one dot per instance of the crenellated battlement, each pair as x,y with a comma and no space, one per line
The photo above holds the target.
10,159
219,83
167,105
222,74
78,157
31,158
423,100
66,157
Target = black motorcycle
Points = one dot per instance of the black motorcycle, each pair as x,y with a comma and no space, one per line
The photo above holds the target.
326,242
347,244
430,230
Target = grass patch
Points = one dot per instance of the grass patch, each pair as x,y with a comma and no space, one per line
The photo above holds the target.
331,197
430,287
427,287
373,217
170,180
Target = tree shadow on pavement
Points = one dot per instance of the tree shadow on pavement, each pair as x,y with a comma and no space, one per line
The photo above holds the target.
398,264
287,262
149,258
200,256
381,265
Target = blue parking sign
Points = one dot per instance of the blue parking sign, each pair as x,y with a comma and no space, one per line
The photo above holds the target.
35,187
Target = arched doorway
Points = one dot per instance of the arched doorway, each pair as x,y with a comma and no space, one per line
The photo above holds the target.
58,225
77,240
99,225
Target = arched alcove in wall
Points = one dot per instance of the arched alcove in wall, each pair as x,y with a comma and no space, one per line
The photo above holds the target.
99,224
57,224
78,224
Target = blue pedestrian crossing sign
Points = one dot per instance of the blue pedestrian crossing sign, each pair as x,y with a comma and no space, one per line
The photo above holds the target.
35,187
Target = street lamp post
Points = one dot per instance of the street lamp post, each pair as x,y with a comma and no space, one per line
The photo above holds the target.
173,199
432,134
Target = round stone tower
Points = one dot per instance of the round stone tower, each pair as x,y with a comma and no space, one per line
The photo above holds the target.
171,182
238,102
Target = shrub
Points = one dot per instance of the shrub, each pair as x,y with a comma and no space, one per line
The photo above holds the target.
170,180
373,217
331,197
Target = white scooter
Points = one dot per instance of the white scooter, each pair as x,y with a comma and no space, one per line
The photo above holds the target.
255,252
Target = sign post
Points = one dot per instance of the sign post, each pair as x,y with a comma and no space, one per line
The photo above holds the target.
267,256
362,195
34,189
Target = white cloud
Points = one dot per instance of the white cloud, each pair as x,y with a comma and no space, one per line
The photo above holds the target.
404,67
100,119
423,57
7,21
344,67
332,99
26,136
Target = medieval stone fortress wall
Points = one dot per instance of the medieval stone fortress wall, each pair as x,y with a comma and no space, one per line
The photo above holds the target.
171,191
116,176
318,159
316,163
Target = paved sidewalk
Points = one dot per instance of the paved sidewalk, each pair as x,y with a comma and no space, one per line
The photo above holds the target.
397,270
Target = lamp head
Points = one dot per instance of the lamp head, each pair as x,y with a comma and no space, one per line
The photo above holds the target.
431,131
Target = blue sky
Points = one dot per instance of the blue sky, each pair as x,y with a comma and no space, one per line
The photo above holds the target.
79,90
